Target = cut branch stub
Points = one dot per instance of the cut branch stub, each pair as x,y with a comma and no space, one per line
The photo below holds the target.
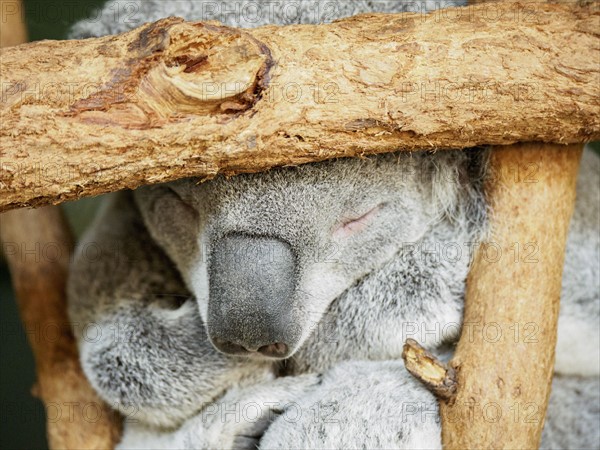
438,377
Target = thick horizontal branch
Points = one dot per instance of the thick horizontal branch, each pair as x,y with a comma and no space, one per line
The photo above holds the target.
175,99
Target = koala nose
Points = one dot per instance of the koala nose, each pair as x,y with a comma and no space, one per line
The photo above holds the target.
276,350
252,280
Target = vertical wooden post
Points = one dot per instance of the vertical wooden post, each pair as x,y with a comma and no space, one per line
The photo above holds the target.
38,247
505,356
12,23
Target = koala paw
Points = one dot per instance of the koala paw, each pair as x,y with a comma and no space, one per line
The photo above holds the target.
360,405
240,419
236,421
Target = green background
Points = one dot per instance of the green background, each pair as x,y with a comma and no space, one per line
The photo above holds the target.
22,419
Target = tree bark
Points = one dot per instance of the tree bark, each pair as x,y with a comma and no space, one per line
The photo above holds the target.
438,377
505,357
37,245
503,401
174,99
13,30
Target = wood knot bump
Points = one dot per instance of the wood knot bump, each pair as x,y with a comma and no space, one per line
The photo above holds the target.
180,70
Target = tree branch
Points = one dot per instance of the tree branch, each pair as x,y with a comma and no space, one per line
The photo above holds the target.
37,245
505,356
175,99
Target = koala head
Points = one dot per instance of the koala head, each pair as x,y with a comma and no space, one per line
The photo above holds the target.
266,254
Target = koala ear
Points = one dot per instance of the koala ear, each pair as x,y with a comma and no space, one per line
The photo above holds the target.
172,223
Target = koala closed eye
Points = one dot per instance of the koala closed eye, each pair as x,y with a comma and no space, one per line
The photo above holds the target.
352,226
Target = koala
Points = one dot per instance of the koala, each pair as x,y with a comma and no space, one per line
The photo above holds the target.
271,309
164,363
111,286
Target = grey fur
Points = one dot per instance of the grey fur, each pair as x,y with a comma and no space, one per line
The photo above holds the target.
118,16
354,290
140,336
302,206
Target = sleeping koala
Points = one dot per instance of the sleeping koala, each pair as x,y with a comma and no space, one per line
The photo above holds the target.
214,306
259,239
186,394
